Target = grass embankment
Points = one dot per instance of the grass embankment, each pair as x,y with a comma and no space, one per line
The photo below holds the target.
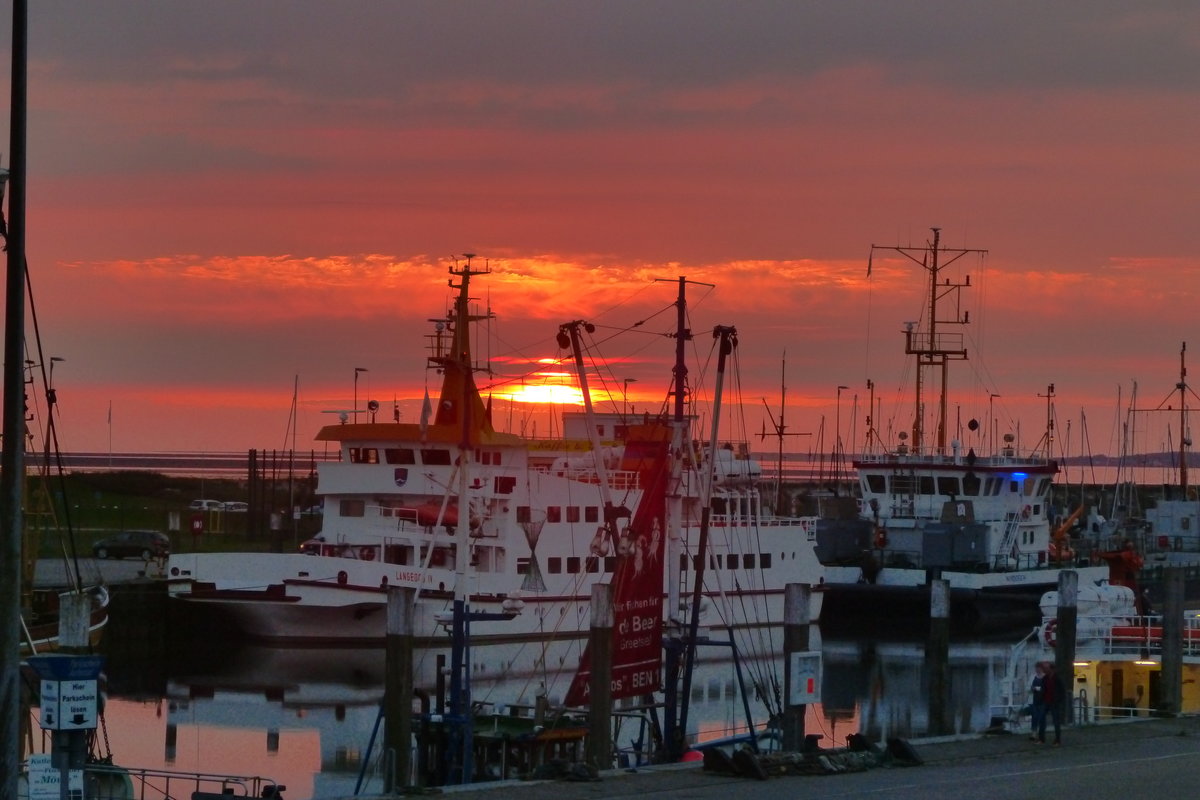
95,505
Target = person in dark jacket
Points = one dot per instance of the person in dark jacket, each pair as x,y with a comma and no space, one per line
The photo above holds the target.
1054,695
1037,706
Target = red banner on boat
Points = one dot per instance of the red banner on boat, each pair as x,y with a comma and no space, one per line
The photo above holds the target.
638,582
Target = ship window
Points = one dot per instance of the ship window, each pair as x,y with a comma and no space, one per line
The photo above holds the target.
610,563
522,566
435,458
876,483
719,505
504,484
764,561
748,561
948,485
592,564
732,561
572,513
554,565
599,430
364,455
591,514
399,455
573,565
352,508
1043,486
903,484
925,484
523,514
683,562
553,513
1185,523
970,484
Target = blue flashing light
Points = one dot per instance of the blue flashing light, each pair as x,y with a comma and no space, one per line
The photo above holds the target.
1019,476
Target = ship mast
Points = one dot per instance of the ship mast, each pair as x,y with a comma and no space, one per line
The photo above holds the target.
934,350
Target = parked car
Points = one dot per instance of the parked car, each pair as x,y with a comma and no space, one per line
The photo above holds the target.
237,507
206,505
139,544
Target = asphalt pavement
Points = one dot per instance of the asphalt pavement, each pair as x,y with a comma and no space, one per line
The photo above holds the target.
1134,758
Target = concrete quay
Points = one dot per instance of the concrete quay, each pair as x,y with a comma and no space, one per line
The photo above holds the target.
1133,758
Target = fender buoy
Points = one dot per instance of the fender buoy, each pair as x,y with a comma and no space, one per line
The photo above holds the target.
881,539
366,553
1049,634
1026,511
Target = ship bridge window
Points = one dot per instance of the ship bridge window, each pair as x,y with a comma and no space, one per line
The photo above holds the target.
435,457
400,455
948,485
364,455
504,484
352,508
592,564
925,484
573,565
524,514
748,561
970,484
764,560
733,561
554,565
573,514
1043,486
591,514
875,483
610,563
553,513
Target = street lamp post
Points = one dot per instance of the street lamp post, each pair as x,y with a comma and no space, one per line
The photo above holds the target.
356,371
625,397
991,425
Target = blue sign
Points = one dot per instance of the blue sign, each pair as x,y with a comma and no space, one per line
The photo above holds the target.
67,668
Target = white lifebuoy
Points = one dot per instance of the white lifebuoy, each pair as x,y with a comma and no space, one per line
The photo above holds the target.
366,553
1050,633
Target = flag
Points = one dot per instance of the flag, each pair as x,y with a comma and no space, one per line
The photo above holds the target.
426,411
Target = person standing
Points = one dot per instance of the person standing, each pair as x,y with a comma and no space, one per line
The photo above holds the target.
1037,706
1054,697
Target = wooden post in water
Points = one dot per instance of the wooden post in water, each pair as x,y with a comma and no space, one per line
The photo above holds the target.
600,645
796,619
398,687
937,657
1171,702
1065,632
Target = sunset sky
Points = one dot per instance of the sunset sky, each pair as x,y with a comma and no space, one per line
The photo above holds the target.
224,196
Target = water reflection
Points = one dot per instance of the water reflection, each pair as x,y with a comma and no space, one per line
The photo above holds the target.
306,716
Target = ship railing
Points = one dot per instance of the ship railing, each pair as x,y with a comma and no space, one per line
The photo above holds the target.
1101,635
914,459
617,479
110,782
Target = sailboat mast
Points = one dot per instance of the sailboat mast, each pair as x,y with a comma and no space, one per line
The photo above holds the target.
1184,440
12,451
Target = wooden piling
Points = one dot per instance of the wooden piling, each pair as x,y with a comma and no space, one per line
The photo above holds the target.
796,620
398,687
1065,633
937,657
600,645
1171,697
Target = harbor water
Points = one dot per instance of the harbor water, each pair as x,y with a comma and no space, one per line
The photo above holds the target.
196,701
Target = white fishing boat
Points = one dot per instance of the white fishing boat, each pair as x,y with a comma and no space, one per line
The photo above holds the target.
540,522
934,508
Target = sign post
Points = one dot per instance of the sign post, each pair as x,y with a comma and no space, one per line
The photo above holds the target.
69,708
